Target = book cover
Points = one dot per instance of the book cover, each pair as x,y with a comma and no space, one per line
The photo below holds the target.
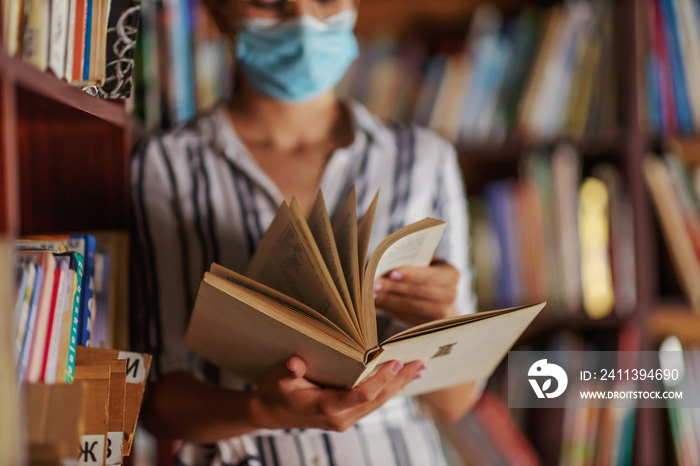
35,42
122,30
86,245
71,320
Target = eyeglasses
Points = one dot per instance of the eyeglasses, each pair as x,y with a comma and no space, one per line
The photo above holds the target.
321,9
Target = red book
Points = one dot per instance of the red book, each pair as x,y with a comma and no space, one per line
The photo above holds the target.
78,40
504,432
55,294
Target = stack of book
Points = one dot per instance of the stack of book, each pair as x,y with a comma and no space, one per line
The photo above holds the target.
673,181
543,74
554,234
69,292
70,298
668,43
85,42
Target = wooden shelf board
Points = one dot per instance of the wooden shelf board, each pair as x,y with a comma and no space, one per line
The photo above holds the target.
612,144
548,323
47,85
674,319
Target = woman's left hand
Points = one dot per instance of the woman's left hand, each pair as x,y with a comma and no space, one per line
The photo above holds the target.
417,295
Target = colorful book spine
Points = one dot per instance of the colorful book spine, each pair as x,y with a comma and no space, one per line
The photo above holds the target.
87,246
87,40
75,321
31,323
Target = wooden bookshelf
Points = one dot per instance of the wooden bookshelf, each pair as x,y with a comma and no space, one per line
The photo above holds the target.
63,165
65,155
674,320
625,147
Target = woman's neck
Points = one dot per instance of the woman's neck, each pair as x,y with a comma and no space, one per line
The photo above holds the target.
262,120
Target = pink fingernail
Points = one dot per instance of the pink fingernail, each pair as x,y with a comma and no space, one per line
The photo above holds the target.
397,367
378,286
395,275
422,367
417,376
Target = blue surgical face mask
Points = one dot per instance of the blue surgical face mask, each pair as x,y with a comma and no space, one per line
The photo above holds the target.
295,60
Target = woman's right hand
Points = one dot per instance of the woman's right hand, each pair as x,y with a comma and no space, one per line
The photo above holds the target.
288,400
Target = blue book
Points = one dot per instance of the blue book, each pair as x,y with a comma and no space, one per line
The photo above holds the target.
88,41
181,58
680,91
31,321
499,198
86,245
490,62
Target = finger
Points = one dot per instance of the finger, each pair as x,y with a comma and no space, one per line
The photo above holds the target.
290,372
440,274
368,390
356,409
297,366
430,292
406,375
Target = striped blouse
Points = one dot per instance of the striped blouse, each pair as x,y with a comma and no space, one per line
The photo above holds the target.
200,197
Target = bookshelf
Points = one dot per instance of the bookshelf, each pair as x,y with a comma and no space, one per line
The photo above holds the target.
63,167
624,146
41,192
86,187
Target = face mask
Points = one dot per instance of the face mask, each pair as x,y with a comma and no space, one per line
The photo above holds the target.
298,59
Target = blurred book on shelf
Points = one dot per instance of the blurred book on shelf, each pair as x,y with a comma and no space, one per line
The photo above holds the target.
673,180
88,43
684,423
183,63
574,243
489,435
545,73
668,48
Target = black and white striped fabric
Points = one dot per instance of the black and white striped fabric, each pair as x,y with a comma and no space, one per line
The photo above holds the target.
200,197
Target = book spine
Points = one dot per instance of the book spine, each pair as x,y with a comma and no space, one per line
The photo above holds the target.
87,304
31,323
75,321
78,49
87,41
53,318
59,36
35,41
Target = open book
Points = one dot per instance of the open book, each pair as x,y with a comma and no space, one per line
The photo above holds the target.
309,293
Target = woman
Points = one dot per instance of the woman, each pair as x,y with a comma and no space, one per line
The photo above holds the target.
206,191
